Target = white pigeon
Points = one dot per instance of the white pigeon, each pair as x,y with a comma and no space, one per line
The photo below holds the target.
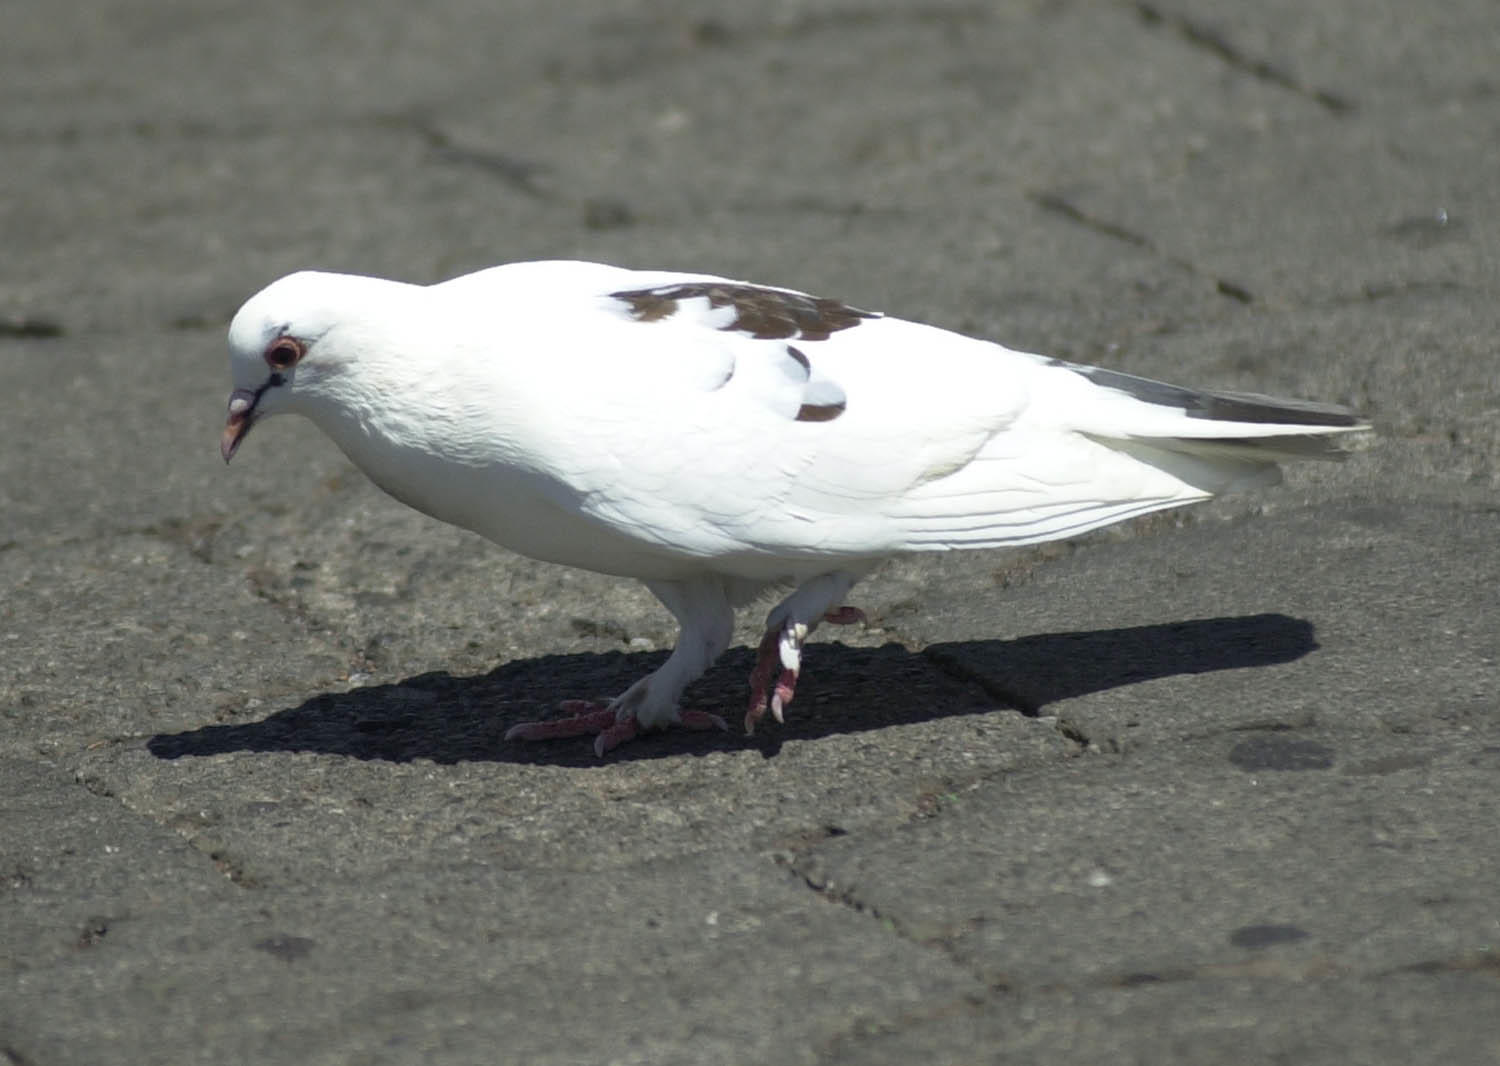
715,439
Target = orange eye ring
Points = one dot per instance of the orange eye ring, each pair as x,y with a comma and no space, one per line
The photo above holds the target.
284,352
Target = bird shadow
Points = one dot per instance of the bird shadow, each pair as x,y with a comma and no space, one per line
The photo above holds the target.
844,689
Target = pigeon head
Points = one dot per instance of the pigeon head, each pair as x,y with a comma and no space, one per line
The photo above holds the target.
286,345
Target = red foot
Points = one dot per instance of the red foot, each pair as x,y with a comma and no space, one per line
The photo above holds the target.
768,664
590,717
767,660
584,717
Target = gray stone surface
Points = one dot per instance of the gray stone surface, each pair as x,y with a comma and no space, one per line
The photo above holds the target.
1213,787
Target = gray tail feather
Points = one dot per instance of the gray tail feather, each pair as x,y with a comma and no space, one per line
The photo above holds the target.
1222,406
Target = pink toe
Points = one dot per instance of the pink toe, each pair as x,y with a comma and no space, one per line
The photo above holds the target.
844,616
786,688
558,728
614,736
702,720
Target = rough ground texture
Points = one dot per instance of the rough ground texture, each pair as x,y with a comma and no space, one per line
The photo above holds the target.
1216,787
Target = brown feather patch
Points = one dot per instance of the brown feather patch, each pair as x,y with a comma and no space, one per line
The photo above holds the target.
819,412
765,314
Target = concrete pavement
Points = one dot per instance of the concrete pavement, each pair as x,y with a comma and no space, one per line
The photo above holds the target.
1218,786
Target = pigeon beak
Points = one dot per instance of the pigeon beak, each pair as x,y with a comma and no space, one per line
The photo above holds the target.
241,410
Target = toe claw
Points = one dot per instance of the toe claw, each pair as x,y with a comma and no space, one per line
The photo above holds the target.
614,736
786,689
702,720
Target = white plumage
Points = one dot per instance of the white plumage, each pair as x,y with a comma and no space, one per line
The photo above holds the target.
713,439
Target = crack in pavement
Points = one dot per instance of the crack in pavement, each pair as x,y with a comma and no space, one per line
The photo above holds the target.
1058,204
800,862
797,864
206,130
1206,38
30,327
513,171
1264,969
667,40
525,176
952,667
204,844
1006,697
1485,962
1257,963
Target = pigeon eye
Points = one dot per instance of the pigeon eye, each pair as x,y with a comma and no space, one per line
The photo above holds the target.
283,355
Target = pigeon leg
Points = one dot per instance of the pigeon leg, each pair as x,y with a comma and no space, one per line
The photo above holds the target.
767,659
702,608
787,629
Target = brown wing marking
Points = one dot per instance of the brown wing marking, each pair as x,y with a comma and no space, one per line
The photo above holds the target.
766,314
820,412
